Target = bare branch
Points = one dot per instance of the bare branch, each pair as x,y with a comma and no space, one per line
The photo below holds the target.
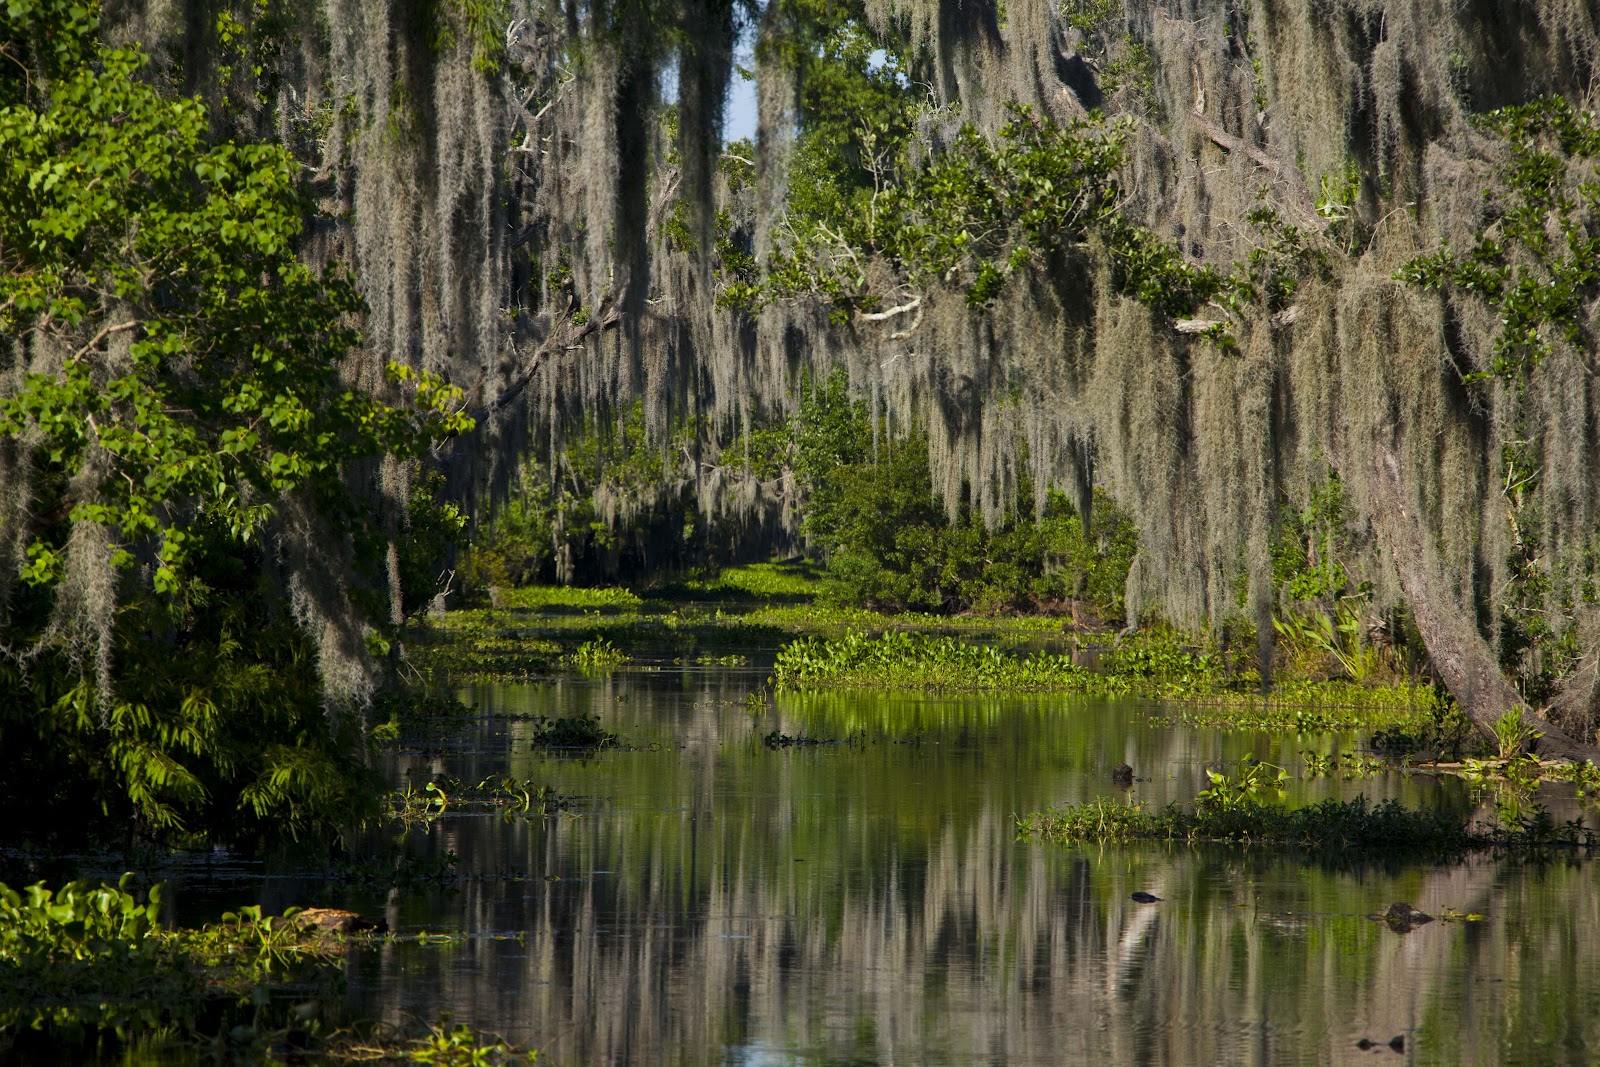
121,327
881,316
558,340
1300,200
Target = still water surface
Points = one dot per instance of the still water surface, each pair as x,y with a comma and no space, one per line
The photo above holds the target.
716,901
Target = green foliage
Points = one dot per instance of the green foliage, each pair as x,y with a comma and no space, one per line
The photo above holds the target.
608,502
1090,16
967,217
175,374
82,960
977,213
792,582
1159,654
481,22
596,654
1329,827
498,793
1133,69
41,929
1445,734
122,222
1253,784
461,1046
1513,734
905,660
1537,261
217,727
433,528
889,541
1311,544
1337,636
566,597
1535,266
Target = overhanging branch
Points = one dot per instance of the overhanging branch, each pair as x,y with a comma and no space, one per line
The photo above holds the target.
558,341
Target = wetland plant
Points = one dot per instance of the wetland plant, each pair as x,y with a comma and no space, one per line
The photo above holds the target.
84,963
461,1046
596,654
574,731
1328,827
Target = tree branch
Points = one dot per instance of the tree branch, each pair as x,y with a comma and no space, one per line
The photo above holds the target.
121,327
1300,202
881,316
554,343
1463,659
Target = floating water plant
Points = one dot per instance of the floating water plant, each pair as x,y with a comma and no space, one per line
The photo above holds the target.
83,959
596,654
576,731
1329,826
914,661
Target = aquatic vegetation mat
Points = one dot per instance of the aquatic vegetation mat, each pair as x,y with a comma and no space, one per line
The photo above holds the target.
916,661
83,960
1330,826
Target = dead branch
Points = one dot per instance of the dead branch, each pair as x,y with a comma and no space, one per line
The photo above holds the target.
1300,201
121,327
558,341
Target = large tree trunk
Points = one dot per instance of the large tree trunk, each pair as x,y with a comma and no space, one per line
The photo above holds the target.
1461,657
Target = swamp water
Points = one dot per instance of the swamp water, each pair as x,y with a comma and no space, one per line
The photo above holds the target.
713,900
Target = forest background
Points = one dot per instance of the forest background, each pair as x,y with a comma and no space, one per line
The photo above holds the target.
1269,318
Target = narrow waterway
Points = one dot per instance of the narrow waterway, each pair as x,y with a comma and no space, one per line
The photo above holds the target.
712,899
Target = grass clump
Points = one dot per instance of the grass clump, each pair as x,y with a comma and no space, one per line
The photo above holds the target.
596,654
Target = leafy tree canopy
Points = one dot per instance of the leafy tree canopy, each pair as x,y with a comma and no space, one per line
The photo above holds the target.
177,359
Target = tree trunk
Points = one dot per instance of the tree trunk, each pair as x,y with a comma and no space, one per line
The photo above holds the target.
1462,659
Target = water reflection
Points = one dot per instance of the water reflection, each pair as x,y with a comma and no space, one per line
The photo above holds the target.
867,902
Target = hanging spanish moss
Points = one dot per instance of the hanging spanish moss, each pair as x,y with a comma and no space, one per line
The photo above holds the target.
537,202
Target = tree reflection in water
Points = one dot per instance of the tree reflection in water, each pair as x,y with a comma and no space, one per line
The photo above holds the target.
869,902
